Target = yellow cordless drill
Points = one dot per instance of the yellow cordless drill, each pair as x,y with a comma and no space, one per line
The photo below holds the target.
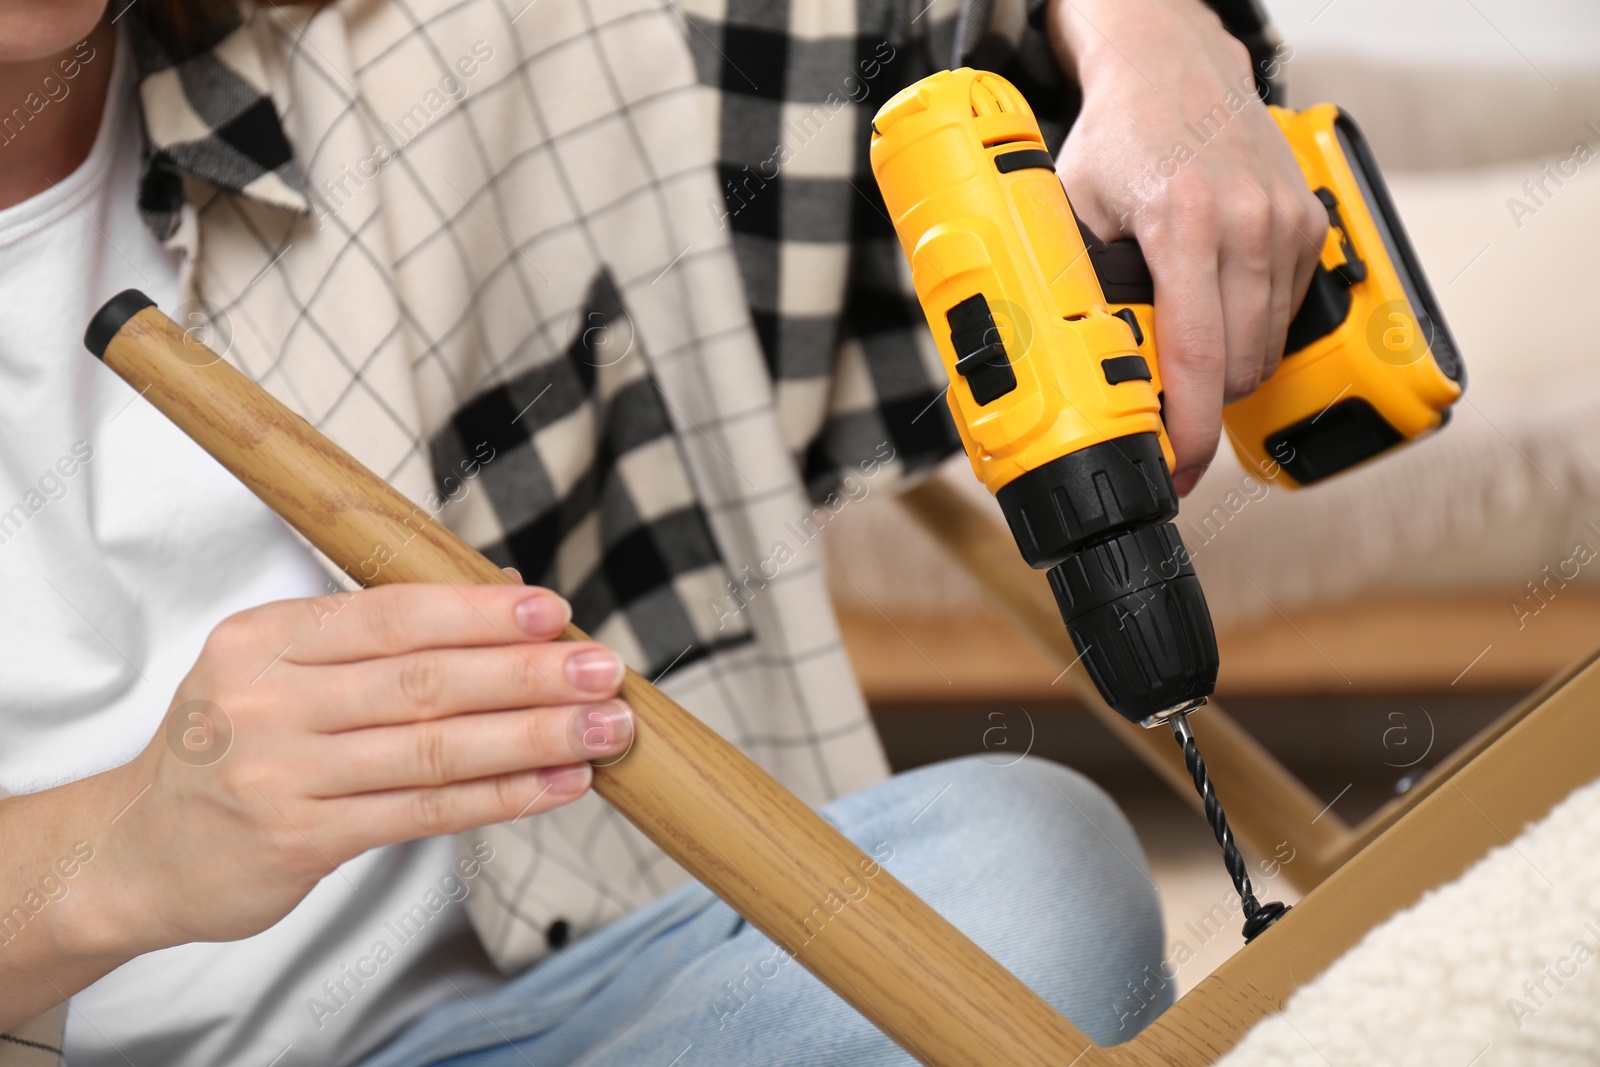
1048,336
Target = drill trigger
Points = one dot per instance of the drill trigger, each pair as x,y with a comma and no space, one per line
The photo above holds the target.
1127,316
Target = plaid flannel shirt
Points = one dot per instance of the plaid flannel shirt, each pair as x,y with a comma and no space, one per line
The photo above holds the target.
607,287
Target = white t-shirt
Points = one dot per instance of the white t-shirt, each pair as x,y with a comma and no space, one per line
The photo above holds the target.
121,545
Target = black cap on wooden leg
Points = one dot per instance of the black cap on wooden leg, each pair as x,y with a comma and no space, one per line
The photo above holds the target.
110,319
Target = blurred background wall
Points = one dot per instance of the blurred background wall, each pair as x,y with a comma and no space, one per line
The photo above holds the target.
1449,83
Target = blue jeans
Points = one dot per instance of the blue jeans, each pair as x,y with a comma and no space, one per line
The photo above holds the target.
1032,861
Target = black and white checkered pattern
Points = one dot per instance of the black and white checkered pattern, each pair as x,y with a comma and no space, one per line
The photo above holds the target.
842,334
796,87
626,538
543,293
209,116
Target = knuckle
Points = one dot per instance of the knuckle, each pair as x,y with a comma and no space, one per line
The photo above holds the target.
1314,219
527,677
420,682
508,800
1237,51
1241,383
265,804
260,798
432,810
1249,216
434,763
256,787
386,618
545,732
235,635
247,713
1192,204
241,788
284,840
1199,347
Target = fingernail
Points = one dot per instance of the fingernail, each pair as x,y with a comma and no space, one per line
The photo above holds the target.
568,781
603,729
544,615
594,670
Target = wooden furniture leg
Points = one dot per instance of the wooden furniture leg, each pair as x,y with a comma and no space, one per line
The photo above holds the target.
730,824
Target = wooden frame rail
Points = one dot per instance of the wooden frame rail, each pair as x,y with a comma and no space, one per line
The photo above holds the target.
1266,803
1513,772
1383,647
1522,768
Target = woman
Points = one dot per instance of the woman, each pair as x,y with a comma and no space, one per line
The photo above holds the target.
607,290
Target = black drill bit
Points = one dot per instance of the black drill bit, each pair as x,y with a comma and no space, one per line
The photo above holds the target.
1257,916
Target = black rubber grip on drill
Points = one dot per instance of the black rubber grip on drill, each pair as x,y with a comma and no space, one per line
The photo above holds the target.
1140,621
1125,279
1120,266
1100,519
1087,495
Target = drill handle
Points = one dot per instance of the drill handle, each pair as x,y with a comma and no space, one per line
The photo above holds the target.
1125,279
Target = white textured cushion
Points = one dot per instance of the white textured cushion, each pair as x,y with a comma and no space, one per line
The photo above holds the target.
1500,968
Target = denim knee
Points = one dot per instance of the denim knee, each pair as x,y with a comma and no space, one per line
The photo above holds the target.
1036,864
1025,795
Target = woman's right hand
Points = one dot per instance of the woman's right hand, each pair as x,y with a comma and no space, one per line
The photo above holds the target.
357,720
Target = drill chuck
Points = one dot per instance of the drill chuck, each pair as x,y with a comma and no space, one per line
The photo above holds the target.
1099,519
1139,620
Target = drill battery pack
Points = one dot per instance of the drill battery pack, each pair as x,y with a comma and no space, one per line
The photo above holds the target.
1369,363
